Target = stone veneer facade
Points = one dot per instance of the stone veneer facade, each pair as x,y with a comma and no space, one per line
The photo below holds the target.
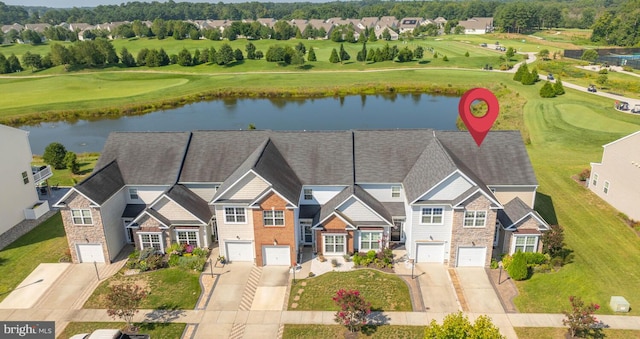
83,234
337,226
529,224
473,236
268,235
151,225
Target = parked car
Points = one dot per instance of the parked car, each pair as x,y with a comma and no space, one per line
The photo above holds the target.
483,45
592,88
636,109
550,76
109,334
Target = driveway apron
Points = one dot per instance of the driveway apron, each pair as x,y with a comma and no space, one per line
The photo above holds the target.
437,291
34,286
478,292
227,292
271,289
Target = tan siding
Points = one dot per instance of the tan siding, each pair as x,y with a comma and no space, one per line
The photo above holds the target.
172,211
506,194
248,187
357,211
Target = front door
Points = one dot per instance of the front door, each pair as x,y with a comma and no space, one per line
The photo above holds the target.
306,234
128,231
396,230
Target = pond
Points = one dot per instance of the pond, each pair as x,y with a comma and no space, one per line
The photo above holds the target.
344,113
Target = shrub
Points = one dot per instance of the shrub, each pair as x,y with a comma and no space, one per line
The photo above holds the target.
174,259
155,262
444,58
134,255
466,53
535,258
603,71
506,261
553,241
71,162
494,264
585,174
518,269
457,325
147,252
201,252
54,155
627,68
547,90
191,263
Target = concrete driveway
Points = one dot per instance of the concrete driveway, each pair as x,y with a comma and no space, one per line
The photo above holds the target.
271,289
228,290
478,292
34,286
437,291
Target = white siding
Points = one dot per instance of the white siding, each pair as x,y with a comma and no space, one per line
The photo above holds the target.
146,194
430,232
111,213
249,187
321,194
382,192
449,189
204,191
233,232
357,211
16,195
172,211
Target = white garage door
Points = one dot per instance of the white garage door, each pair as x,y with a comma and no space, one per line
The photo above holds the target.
471,256
90,253
276,255
239,251
430,252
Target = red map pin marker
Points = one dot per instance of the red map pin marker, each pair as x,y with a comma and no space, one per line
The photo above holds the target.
478,126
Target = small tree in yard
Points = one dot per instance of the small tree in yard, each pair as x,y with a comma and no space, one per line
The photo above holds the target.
457,325
54,155
580,318
553,241
353,309
558,87
124,300
71,162
547,91
518,269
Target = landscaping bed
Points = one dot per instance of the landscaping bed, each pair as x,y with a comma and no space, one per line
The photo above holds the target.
336,331
155,330
386,292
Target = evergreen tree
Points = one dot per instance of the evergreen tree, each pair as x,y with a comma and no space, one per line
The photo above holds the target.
126,58
54,155
312,55
405,55
184,58
418,52
196,57
528,79
251,51
344,56
362,55
547,90
14,63
163,57
237,54
534,75
520,72
224,55
372,35
558,88
334,58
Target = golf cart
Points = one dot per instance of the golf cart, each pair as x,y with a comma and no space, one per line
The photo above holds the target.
636,109
592,88
622,105
550,76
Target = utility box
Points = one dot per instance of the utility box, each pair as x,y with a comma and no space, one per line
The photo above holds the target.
619,304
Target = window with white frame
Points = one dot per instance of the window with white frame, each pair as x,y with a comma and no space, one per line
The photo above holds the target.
188,237
273,218
81,217
308,194
235,215
395,191
133,194
527,243
370,240
605,189
334,244
25,178
431,215
148,240
475,218
594,182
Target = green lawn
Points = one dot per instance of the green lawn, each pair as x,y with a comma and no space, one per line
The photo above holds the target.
155,330
170,288
64,177
44,244
386,292
336,331
567,133
555,332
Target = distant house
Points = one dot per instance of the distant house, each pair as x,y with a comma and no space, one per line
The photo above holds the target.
407,25
37,27
263,195
16,26
380,29
269,22
479,25
19,198
440,21
389,21
368,22
616,179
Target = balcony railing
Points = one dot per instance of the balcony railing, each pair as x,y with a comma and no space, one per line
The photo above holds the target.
41,174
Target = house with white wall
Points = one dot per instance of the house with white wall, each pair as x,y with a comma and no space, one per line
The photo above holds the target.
616,179
19,199
264,195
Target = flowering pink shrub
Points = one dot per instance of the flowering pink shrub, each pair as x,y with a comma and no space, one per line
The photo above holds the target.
353,310
580,318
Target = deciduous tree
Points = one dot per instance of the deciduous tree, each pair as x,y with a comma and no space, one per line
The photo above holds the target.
353,309
458,326
124,300
54,155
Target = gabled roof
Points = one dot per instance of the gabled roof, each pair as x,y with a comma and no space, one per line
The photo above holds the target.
149,158
354,191
622,139
242,170
372,203
273,167
433,166
190,201
102,184
516,211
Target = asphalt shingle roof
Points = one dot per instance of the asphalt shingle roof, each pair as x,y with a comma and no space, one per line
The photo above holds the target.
515,210
149,158
190,201
102,184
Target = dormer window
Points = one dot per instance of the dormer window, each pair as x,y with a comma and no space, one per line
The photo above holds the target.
308,194
133,194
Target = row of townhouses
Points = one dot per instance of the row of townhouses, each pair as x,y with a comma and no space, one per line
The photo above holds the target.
264,195
394,26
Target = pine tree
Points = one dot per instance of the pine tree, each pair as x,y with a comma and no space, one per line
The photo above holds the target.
334,58
344,56
534,75
312,55
362,55
528,79
547,90
520,72
558,88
